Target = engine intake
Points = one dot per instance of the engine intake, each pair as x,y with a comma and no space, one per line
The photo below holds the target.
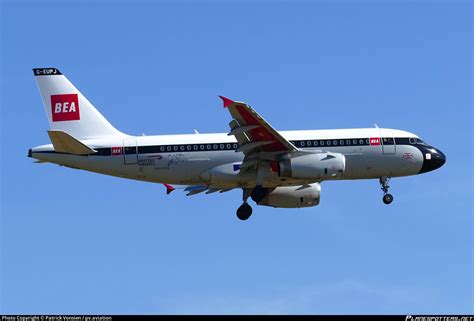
313,166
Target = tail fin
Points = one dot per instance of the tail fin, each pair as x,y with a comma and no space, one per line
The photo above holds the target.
67,109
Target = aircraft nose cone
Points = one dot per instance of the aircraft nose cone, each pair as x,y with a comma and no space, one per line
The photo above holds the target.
439,158
433,159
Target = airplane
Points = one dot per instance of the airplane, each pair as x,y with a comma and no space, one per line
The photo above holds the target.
281,169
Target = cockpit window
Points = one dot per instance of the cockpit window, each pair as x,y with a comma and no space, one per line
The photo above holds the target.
421,142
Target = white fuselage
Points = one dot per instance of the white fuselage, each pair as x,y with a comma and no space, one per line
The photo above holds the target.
211,158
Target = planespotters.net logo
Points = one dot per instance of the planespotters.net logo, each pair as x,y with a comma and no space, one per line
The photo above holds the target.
439,318
65,107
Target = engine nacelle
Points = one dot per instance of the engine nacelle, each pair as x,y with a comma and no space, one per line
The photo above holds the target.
293,196
313,166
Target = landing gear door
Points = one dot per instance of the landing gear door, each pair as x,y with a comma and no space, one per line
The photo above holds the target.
388,142
130,153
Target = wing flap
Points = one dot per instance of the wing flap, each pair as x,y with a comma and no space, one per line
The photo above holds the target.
242,129
240,137
250,146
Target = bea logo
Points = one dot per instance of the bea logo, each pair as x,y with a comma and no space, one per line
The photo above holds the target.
65,107
116,151
375,141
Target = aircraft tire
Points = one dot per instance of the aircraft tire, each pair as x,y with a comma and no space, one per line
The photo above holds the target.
258,194
244,212
387,198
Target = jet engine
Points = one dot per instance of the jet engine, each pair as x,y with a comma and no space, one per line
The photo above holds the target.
313,166
293,196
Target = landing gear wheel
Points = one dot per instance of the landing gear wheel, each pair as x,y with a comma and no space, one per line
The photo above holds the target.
387,198
244,212
258,194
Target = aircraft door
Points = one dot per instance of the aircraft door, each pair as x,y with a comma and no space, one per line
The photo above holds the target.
388,142
130,152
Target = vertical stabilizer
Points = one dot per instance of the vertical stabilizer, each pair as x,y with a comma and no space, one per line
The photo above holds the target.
68,110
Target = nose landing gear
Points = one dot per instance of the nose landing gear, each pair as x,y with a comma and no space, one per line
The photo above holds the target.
387,197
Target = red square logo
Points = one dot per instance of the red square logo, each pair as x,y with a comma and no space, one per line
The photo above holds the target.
375,141
65,107
116,151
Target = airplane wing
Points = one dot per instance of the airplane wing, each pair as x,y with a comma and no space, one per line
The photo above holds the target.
252,132
257,139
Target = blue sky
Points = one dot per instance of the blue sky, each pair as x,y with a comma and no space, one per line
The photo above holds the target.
78,242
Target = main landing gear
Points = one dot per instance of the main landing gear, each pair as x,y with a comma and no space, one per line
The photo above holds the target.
258,193
244,211
387,197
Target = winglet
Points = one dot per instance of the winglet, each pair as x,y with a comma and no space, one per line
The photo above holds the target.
226,101
169,188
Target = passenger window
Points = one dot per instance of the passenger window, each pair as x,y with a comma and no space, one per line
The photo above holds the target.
201,147
236,146
308,143
229,146
208,147
221,146
322,143
315,143
188,147
354,141
195,147
341,142
175,148
168,148
302,144
328,143
162,148
181,147
412,141
334,142
214,146
348,142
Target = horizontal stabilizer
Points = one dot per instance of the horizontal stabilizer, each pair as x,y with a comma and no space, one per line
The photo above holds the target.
193,190
65,143
169,188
